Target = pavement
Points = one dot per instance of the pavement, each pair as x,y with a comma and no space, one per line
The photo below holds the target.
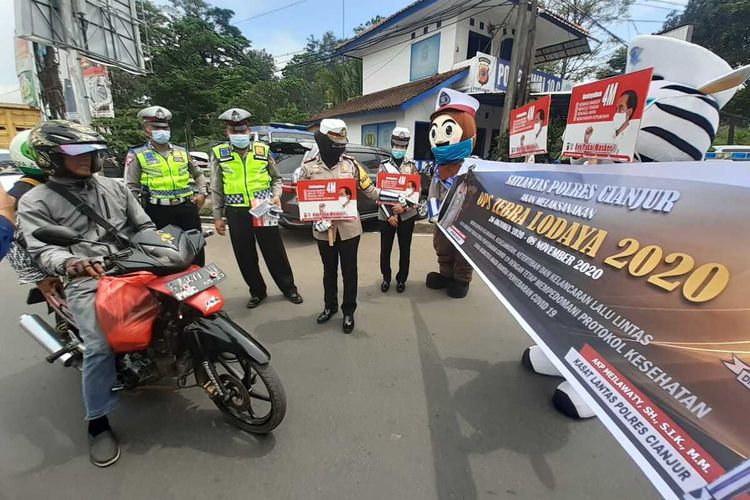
426,400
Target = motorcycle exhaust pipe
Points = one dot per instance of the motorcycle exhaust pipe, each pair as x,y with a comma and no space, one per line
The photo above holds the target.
45,336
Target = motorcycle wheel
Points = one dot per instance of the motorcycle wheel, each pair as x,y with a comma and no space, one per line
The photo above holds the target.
257,401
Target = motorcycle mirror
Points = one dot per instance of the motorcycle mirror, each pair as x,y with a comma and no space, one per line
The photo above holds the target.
60,236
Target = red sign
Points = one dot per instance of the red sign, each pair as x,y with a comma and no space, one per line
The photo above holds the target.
605,116
528,128
327,199
406,185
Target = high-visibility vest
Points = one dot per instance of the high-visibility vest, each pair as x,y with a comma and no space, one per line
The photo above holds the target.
243,178
165,177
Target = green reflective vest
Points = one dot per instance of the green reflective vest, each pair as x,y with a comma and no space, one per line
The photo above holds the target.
165,177
242,179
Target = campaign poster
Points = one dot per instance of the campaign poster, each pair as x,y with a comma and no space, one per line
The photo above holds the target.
635,281
327,199
528,128
604,117
98,89
394,187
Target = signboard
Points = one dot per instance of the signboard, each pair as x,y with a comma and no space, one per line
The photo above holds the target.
25,72
482,74
98,89
634,281
400,185
540,81
604,117
327,199
528,128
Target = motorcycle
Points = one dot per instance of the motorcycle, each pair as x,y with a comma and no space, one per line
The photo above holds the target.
191,334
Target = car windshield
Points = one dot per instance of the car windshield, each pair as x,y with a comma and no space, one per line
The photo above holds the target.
287,136
287,163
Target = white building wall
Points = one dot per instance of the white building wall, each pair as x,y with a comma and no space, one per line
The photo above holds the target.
354,123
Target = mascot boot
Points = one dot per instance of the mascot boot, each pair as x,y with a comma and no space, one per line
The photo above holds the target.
452,135
689,86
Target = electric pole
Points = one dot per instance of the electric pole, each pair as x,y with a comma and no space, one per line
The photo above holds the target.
519,51
528,61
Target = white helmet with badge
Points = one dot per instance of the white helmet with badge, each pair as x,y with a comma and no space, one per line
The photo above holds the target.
156,115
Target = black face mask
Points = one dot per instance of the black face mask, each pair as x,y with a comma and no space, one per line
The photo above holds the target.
329,153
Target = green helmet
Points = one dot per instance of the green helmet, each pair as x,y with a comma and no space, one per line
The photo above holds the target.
51,140
22,155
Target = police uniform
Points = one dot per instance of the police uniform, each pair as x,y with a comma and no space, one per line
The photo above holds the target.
406,220
238,177
346,233
165,181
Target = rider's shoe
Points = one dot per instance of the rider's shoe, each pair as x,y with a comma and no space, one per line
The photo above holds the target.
104,449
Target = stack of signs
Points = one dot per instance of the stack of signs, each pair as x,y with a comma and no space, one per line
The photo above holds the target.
634,281
604,117
327,199
399,187
528,128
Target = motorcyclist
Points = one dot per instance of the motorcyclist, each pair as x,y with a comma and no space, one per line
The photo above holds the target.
71,153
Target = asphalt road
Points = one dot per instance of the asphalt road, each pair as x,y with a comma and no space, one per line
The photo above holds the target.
426,400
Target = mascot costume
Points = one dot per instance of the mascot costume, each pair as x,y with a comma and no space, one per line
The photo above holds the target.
689,86
452,136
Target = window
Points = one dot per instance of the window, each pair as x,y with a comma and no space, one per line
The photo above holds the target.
471,21
369,159
506,49
378,134
422,148
424,30
479,143
439,24
481,25
478,43
425,55
493,140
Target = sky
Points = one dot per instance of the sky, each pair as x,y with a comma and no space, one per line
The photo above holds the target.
286,30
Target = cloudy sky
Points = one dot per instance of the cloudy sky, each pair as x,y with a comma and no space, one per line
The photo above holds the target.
285,30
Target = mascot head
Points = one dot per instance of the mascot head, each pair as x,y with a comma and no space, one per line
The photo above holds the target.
689,86
453,130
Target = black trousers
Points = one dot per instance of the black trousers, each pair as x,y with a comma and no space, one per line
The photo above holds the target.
185,216
388,233
344,251
244,237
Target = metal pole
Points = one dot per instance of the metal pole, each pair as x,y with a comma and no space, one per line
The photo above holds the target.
519,50
74,66
528,61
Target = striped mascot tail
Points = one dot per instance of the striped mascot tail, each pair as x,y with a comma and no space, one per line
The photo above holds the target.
678,124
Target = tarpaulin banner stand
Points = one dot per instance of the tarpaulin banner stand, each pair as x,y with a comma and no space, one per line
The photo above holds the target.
634,281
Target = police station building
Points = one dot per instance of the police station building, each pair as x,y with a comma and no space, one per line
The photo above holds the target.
431,44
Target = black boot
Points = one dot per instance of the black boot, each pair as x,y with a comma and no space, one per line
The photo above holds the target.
437,281
458,289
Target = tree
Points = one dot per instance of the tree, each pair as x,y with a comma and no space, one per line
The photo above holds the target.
615,64
591,15
369,24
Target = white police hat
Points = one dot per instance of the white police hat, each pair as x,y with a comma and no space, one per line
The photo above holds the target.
400,136
158,115
335,129
235,116
453,99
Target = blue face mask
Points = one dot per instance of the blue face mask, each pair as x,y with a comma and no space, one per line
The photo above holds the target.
239,140
453,152
161,136
398,153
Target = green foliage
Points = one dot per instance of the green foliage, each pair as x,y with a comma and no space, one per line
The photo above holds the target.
615,64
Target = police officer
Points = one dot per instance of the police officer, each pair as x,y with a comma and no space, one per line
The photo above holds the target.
331,163
397,219
170,186
241,172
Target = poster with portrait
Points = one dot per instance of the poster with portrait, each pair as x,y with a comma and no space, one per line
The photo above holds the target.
604,117
98,89
528,128
327,199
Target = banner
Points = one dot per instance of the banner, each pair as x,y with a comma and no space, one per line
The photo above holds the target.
25,72
528,128
98,89
482,74
327,199
539,80
604,117
407,186
634,281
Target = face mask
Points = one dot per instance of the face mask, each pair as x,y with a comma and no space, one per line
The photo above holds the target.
239,140
619,120
537,127
343,199
161,136
329,153
453,152
398,153
408,191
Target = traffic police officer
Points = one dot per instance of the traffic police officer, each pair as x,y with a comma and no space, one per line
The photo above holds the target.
241,172
331,163
397,219
170,186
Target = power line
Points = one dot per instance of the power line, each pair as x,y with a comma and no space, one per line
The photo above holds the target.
269,12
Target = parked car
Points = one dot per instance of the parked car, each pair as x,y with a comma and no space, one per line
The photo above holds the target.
289,157
9,174
282,132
